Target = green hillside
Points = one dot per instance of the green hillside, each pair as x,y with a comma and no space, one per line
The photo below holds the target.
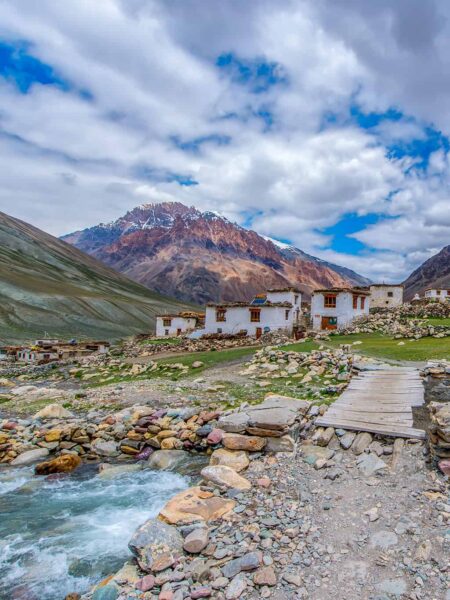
49,286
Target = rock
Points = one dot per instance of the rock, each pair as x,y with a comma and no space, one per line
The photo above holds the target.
444,466
61,464
347,439
53,435
234,423
196,541
361,442
236,460
106,592
393,587
281,444
235,441
383,539
373,514
156,545
376,448
423,552
201,592
29,457
226,476
236,588
292,578
194,505
265,576
197,364
53,411
324,437
166,460
146,583
247,562
105,448
215,437
311,454
369,464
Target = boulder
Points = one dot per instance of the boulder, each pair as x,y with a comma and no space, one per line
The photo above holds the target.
194,505
236,441
111,471
53,411
369,464
234,423
361,442
61,464
265,576
312,454
236,460
282,444
156,545
225,476
29,457
166,460
248,562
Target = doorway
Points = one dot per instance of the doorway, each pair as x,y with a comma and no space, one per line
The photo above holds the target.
329,323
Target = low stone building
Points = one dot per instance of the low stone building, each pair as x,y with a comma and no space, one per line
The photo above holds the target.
336,308
437,294
385,295
275,310
178,324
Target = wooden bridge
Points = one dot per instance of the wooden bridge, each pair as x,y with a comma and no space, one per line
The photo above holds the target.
379,402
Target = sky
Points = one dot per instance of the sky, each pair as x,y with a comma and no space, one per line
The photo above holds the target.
321,123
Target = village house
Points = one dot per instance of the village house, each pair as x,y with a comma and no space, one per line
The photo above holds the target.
178,324
336,308
385,295
275,310
438,295
37,355
46,350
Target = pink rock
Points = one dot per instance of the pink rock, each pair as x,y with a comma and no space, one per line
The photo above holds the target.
444,466
215,437
10,426
146,583
263,482
166,595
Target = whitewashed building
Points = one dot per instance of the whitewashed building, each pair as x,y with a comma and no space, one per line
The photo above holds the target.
177,324
336,308
384,295
438,295
275,310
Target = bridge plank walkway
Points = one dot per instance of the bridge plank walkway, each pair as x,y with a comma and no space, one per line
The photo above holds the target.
378,402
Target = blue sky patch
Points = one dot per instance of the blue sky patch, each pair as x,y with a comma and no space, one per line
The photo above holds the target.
24,70
340,232
257,74
195,144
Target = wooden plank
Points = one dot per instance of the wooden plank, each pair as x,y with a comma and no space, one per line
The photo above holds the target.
406,432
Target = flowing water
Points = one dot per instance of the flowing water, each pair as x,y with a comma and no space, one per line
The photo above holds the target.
63,534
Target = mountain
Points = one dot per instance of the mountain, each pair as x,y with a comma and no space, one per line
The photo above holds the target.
200,256
434,272
49,286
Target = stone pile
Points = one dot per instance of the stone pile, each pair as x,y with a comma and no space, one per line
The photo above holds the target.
275,363
439,435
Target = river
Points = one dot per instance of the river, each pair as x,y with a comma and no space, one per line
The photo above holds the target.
63,534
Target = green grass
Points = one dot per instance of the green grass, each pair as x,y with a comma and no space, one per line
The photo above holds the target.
301,346
439,321
380,346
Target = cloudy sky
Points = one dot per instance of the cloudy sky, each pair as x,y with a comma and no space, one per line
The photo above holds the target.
324,123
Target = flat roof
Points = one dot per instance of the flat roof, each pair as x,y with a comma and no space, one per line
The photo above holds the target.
249,305
387,285
337,290
438,289
286,289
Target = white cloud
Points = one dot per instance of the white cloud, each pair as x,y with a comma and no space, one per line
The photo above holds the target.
68,162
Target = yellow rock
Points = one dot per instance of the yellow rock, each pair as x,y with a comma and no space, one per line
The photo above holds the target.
236,441
171,443
166,433
236,460
193,505
53,435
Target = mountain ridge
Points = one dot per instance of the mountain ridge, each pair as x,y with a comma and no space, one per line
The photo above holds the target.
434,272
200,256
51,286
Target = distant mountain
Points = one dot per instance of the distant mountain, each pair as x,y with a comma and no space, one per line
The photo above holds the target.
200,256
433,273
49,286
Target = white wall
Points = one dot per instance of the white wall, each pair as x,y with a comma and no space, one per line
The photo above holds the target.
185,324
379,296
443,296
238,319
344,310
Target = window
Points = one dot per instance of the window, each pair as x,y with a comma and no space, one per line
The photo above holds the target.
363,301
438,292
221,315
355,301
330,301
286,314
255,315
390,294
219,330
166,332
295,299
167,322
